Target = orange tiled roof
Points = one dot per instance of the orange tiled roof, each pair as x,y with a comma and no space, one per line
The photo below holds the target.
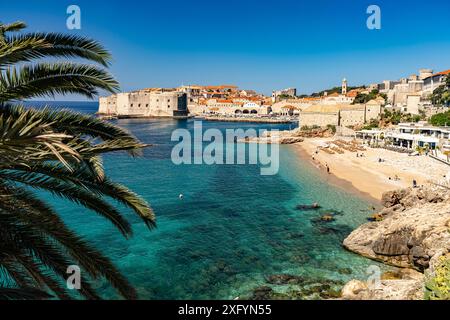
216,92
442,73
221,87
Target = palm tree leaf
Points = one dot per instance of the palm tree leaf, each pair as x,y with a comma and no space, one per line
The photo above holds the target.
28,47
105,187
42,217
59,152
75,193
70,122
12,27
50,79
23,294
24,239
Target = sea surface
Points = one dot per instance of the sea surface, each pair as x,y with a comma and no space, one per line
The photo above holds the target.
233,229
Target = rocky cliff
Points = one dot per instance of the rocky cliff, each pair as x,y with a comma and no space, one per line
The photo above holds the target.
413,232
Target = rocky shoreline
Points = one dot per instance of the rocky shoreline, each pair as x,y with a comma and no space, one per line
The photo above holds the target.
413,232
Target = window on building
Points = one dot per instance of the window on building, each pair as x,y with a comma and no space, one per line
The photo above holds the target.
139,105
168,106
146,105
131,105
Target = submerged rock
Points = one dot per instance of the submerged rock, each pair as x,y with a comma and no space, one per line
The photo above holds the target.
327,218
330,294
283,279
306,207
345,271
294,235
262,293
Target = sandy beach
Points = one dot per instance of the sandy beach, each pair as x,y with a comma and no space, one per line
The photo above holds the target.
367,174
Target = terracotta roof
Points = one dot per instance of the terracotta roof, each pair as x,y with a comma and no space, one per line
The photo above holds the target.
225,86
442,73
216,92
353,93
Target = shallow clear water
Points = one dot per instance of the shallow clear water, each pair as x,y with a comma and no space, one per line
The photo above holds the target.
233,228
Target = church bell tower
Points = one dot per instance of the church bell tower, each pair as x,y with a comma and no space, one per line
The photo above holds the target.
344,86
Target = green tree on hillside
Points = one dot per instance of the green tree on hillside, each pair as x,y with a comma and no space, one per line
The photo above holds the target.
364,98
441,95
441,119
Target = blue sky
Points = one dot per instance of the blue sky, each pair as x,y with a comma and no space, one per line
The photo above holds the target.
262,45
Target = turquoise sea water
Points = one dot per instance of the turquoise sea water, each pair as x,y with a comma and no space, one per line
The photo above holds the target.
232,230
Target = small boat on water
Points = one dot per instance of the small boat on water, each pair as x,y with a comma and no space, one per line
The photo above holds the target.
313,206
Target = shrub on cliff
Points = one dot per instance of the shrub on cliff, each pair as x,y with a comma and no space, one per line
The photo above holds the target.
438,285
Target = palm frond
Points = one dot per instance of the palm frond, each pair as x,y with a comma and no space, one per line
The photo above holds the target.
37,214
73,124
12,27
25,241
50,79
75,193
83,178
23,293
32,46
59,152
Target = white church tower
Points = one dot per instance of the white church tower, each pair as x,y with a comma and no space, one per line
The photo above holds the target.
344,86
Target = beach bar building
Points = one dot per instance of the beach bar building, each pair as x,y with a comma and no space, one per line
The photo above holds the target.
412,135
372,136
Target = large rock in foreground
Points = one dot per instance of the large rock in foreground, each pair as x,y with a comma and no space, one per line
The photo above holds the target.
399,289
415,227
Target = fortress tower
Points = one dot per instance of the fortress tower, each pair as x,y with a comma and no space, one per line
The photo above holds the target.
425,73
